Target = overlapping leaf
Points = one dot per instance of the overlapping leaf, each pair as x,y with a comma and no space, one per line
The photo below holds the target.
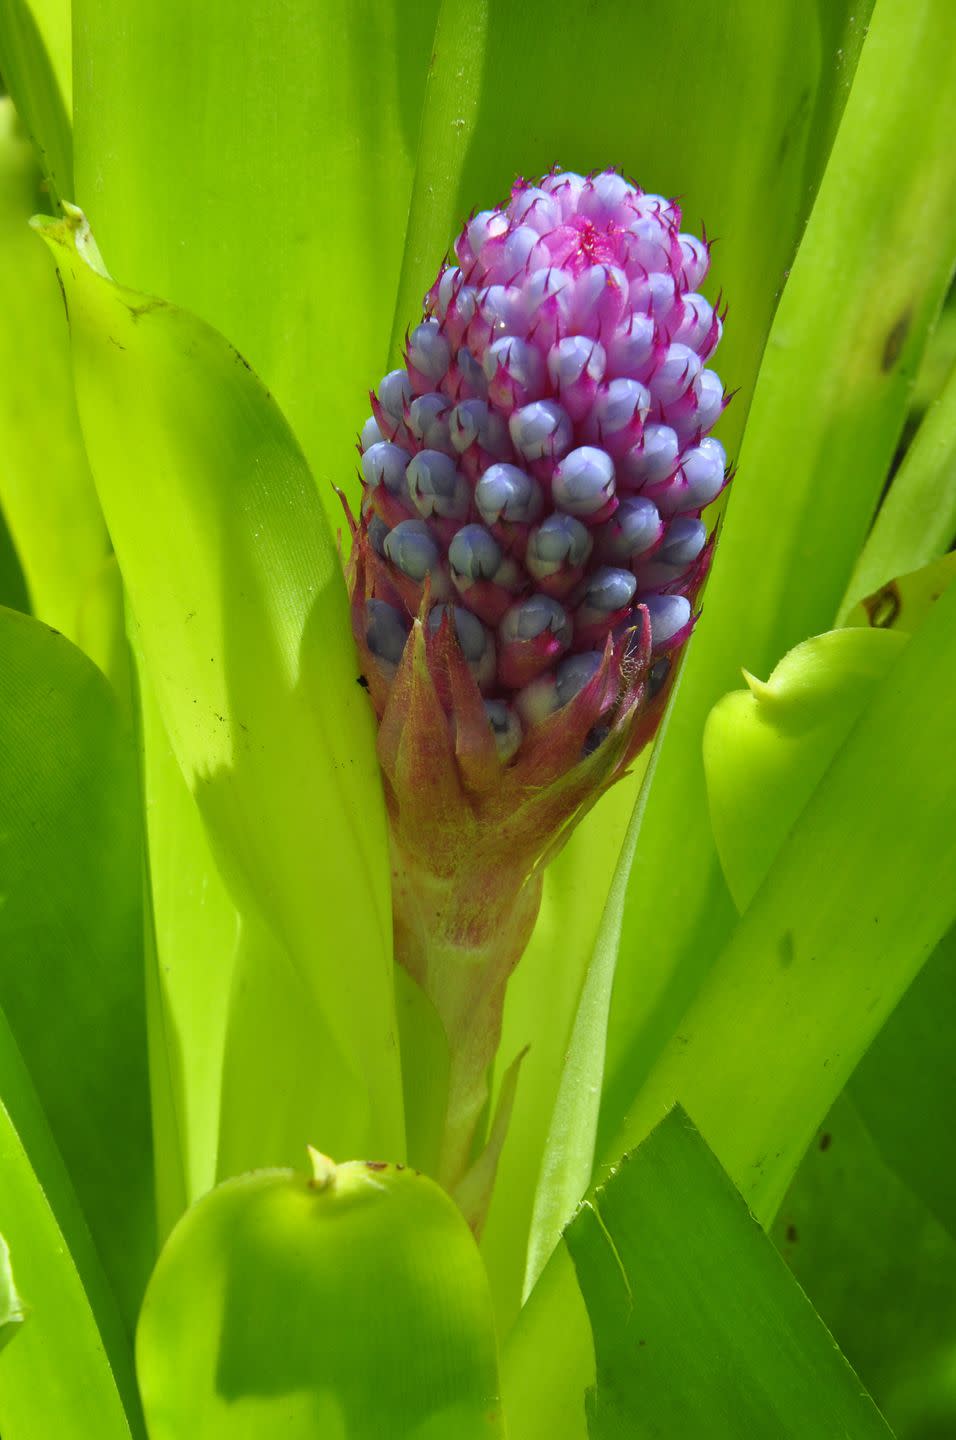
349,1304
71,950
240,608
699,1330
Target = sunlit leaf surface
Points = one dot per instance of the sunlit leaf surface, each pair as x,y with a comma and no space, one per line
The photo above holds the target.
46,490
830,403
350,1305
699,1330
825,950
11,1306
35,64
767,748
271,197
239,603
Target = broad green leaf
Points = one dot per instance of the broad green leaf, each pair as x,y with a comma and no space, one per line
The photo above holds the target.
767,748
554,964
271,198
833,389
46,489
879,1269
56,1380
568,1156
903,1086
75,1353
11,1306
351,1305
547,1362
698,1328
825,949
238,599
71,949
35,64
194,932
917,520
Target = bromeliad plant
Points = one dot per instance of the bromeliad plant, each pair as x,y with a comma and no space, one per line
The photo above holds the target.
261,764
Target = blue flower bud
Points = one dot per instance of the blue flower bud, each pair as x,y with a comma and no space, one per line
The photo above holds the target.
574,672
474,553
395,392
436,487
633,528
608,589
386,631
668,614
583,482
532,617
411,546
505,726
540,429
428,350
559,543
506,493
385,463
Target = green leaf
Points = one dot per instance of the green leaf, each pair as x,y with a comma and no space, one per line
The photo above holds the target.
830,402
46,488
237,594
71,949
35,64
879,1269
75,1354
698,1327
195,934
11,1306
903,1086
767,748
271,198
825,950
57,1379
555,963
350,1304
917,520
568,1156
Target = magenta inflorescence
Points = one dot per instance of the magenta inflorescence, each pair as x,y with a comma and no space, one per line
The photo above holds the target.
542,459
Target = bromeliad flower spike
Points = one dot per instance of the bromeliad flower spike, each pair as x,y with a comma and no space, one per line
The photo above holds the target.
525,568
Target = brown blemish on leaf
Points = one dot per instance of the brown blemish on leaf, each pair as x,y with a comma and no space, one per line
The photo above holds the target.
138,311
791,1235
826,1139
896,339
376,1164
785,950
59,281
883,608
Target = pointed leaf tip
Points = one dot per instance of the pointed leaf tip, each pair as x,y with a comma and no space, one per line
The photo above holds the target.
72,233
